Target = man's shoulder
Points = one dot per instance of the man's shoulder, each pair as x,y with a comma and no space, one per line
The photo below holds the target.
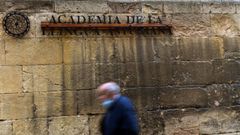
125,102
124,99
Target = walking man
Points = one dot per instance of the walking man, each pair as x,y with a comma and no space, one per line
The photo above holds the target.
120,117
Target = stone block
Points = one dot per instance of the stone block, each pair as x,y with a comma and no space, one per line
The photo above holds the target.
225,24
125,49
144,51
30,127
20,103
231,44
155,49
151,123
181,122
33,51
191,25
235,94
88,103
32,31
182,7
237,8
79,76
193,73
237,133
81,7
163,98
2,32
73,50
42,78
10,79
94,124
101,50
1,28
6,128
165,49
49,104
199,49
219,121
70,125
219,7
121,7
201,121
27,6
128,75
220,95
118,50
131,74
152,8
107,51
79,51
154,74
2,52
112,50
226,71
232,48
107,72
66,103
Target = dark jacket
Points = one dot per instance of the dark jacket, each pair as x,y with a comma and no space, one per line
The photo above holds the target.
120,118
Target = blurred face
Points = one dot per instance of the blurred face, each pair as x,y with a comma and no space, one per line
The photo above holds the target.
103,94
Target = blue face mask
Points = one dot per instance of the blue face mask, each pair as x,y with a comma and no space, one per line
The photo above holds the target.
107,103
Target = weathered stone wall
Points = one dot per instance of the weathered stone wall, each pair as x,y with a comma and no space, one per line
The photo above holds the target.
187,83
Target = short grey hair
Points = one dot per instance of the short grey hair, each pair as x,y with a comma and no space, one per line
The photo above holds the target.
111,87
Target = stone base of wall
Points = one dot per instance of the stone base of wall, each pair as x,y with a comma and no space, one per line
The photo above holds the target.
215,121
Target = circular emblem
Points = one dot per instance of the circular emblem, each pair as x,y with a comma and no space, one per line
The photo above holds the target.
16,24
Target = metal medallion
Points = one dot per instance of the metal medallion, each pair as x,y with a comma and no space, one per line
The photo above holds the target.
16,24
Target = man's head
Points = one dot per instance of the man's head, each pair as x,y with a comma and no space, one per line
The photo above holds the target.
108,91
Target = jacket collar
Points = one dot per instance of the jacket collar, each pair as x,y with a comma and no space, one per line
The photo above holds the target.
116,99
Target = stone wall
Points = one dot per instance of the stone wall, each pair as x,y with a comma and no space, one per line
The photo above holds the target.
185,83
